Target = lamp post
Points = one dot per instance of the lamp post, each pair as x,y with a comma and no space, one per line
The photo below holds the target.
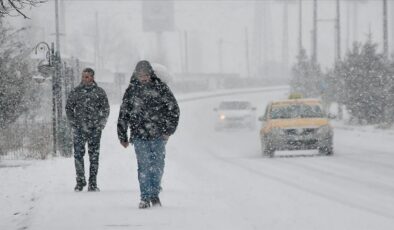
48,70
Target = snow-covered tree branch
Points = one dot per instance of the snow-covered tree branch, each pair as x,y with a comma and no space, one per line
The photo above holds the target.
16,7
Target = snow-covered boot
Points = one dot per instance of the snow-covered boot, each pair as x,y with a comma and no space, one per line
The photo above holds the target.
81,182
93,188
144,204
155,202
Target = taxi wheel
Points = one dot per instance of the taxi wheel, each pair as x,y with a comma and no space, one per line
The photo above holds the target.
270,152
267,150
326,150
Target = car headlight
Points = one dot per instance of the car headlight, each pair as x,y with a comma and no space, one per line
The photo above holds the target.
222,117
275,132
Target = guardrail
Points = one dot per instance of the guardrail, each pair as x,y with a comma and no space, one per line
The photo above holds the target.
223,93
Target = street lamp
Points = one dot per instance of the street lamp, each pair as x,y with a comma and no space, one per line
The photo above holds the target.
47,69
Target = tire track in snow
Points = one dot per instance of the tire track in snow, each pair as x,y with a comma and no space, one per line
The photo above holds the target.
287,182
323,171
367,160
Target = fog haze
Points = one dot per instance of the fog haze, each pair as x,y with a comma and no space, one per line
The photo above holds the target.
202,29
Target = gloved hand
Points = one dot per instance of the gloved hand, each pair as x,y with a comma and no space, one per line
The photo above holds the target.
124,144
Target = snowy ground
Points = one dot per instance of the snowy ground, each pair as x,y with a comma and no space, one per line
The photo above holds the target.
213,180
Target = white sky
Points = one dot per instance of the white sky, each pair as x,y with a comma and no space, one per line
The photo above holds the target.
123,42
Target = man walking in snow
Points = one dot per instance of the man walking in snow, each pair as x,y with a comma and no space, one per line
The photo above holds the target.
87,110
151,112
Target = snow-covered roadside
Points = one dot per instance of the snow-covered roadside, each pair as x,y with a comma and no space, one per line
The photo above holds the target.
22,186
344,124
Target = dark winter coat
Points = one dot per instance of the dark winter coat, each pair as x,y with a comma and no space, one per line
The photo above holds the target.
87,107
150,111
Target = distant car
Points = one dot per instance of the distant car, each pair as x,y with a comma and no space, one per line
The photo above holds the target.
235,114
295,124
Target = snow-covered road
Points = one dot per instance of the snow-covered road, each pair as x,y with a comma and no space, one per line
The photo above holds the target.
213,180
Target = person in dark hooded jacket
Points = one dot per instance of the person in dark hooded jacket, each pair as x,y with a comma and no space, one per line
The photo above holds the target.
87,111
151,112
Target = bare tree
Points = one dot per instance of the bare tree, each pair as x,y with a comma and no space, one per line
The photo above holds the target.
15,7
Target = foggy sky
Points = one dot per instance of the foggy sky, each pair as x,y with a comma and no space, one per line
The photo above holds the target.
122,41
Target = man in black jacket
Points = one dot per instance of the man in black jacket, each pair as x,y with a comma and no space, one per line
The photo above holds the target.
87,110
151,112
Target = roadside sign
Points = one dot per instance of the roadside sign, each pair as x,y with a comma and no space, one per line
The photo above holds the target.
158,16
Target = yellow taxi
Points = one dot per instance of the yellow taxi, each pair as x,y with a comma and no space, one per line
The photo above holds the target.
295,124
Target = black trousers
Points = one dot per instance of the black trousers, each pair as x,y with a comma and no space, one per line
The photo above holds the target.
92,137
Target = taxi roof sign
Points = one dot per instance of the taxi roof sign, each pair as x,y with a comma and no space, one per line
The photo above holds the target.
295,96
308,101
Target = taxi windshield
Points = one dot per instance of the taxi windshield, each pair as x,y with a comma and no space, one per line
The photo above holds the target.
296,111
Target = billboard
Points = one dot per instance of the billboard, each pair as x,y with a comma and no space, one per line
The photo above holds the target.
158,16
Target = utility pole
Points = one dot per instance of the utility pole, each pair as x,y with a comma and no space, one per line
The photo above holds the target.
338,48
262,36
392,24
57,25
220,53
385,31
300,47
186,52
257,37
54,118
314,33
58,79
338,32
347,26
268,49
62,26
355,21
96,42
247,52
285,41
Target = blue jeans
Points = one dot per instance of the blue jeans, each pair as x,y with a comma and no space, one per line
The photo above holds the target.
150,159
